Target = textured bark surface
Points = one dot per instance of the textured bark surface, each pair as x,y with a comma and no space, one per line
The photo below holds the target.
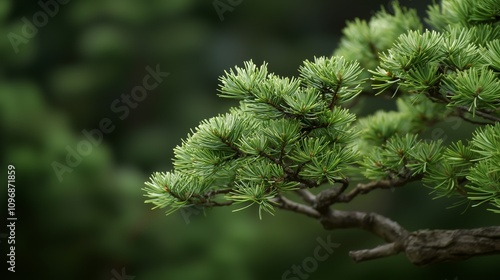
421,247
424,247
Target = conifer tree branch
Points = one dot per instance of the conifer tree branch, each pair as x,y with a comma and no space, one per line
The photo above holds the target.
287,204
382,251
329,196
291,135
206,199
212,203
422,247
381,226
307,196
336,194
292,174
483,114
425,247
461,114
212,193
334,96
364,188
462,110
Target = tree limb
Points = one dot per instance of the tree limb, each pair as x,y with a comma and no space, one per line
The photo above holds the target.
422,247
483,114
307,196
461,114
327,197
425,247
286,204
381,251
377,224
364,188
463,109
335,194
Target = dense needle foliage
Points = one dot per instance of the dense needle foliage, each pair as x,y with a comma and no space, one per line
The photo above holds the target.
298,133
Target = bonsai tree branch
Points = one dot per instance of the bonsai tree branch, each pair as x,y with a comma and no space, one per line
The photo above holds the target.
287,204
382,251
292,135
421,247
364,188
377,224
334,195
425,247
461,114
462,110
307,196
483,114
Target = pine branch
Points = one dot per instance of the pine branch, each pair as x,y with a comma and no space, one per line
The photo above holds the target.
465,110
422,247
291,135
334,96
329,196
286,204
334,195
483,114
207,198
461,114
307,196
382,184
381,226
425,247
292,174
382,251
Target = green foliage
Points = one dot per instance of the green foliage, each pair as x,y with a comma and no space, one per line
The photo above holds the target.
463,13
472,170
401,156
363,40
334,77
297,133
413,115
285,133
474,89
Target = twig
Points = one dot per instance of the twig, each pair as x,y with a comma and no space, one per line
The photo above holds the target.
484,115
292,175
307,196
377,224
215,203
382,184
211,193
285,203
327,197
444,99
461,114
382,251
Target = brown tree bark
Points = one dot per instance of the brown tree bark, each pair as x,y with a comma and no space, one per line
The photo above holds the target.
421,247
424,247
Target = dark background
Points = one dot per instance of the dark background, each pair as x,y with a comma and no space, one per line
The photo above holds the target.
93,224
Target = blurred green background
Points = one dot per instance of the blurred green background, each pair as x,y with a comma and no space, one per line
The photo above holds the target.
93,224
